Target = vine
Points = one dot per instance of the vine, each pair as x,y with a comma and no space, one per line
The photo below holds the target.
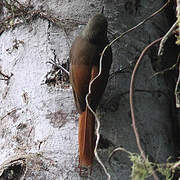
19,14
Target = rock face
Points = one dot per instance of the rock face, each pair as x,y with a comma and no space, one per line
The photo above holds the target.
38,119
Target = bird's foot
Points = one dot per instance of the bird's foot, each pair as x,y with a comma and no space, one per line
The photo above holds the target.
85,171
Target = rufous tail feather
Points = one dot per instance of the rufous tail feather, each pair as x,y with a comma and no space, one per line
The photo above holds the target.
86,138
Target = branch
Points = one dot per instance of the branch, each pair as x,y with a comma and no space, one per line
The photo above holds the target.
132,103
177,89
116,150
24,15
97,122
6,77
100,69
177,165
59,67
178,20
133,28
164,39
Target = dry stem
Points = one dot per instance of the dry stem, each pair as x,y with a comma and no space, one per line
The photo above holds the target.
132,103
100,69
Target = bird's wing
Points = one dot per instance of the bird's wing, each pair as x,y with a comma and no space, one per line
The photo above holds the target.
81,56
80,83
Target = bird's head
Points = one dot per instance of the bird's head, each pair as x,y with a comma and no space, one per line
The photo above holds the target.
96,29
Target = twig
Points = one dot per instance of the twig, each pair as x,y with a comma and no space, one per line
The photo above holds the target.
133,28
177,165
177,93
3,79
165,70
59,66
6,77
178,20
164,39
115,150
100,69
24,13
97,123
132,103
132,111
9,113
168,69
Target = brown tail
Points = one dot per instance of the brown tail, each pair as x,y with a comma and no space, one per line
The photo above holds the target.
86,138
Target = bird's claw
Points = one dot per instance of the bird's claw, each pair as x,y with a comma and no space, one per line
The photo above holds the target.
84,171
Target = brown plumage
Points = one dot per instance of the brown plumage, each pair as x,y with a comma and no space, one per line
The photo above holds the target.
84,66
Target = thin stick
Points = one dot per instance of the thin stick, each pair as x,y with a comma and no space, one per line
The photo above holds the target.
132,102
60,67
178,20
131,29
97,123
177,165
100,69
177,93
164,39
6,76
115,150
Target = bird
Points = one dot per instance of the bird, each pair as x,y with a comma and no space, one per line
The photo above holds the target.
85,56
